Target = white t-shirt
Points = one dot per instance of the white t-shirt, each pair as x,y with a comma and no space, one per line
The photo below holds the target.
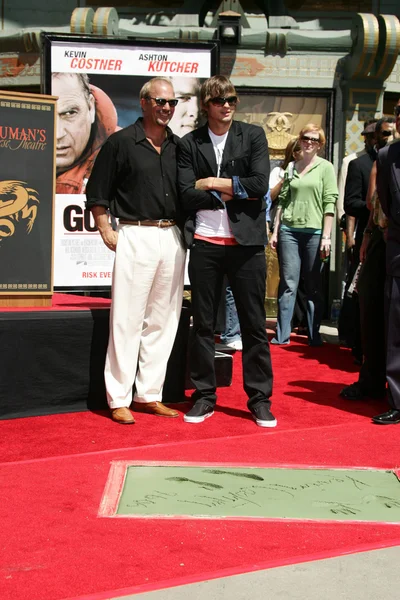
214,223
342,180
275,177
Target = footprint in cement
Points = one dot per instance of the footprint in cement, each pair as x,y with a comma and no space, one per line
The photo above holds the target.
248,475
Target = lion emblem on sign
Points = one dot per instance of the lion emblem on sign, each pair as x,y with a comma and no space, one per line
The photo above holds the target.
18,202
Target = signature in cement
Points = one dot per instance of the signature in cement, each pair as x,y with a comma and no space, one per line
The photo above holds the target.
251,494
150,499
236,499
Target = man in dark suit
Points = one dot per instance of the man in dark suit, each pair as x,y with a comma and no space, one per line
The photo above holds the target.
371,382
355,195
388,187
355,206
223,172
358,179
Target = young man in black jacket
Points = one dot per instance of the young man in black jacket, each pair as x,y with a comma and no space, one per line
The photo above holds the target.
223,172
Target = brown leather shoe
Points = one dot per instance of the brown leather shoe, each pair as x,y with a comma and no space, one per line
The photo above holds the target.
122,415
154,408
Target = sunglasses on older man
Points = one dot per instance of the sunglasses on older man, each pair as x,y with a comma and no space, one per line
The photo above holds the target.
162,101
219,101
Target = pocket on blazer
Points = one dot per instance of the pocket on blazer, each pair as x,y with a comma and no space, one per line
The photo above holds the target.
237,166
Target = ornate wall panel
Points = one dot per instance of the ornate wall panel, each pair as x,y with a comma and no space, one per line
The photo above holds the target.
282,118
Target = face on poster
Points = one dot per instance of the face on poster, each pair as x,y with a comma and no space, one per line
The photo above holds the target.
98,87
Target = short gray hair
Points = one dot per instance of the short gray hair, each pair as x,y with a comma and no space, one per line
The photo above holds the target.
83,80
146,89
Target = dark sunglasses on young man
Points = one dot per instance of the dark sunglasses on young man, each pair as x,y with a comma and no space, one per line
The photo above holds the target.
231,100
386,133
162,101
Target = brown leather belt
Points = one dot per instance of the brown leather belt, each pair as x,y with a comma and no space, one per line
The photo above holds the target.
160,223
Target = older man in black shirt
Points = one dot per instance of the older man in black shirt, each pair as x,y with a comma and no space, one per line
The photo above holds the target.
134,177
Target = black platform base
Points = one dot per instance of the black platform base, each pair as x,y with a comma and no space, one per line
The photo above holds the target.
53,362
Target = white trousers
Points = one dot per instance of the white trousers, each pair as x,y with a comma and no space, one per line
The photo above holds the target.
147,292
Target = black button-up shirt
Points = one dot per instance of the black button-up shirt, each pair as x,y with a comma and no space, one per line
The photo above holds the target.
132,179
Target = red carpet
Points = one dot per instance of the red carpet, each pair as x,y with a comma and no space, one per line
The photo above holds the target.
54,470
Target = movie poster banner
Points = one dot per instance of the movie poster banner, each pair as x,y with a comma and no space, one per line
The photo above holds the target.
27,181
97,83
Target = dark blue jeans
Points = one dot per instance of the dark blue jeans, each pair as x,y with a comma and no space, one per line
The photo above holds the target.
299,256
232,325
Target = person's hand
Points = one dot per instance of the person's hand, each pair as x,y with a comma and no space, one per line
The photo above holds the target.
110,238
364,247
226,197
325,248
273,241
350,242
204,184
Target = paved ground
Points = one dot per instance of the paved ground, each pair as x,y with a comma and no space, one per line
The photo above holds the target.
364,576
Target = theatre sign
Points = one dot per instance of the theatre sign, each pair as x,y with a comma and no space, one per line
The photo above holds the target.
27,187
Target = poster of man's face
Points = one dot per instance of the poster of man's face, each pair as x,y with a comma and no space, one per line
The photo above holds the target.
98,84
187,111
76,113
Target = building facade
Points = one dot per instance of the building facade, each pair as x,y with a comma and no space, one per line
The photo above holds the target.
292,61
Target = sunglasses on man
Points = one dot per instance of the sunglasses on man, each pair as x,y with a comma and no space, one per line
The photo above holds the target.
219,101
386,133
162,101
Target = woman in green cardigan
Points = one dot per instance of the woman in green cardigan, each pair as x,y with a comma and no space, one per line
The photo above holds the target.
303,232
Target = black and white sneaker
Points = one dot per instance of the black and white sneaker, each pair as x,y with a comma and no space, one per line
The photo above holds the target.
199,413
263,416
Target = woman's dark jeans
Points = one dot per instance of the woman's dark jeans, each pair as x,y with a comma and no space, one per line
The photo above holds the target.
299,256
